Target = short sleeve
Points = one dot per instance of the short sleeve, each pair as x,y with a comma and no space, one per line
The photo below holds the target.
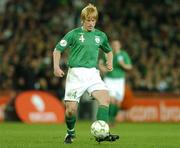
105,44
65,42
120,58
127,59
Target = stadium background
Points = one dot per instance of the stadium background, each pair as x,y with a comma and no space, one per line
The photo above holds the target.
148,30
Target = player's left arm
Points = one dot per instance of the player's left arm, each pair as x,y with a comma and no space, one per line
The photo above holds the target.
108,50
125,66
125,62
102,67
109,61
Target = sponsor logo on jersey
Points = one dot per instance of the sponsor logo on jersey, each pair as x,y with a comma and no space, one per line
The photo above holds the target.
97,39
63,43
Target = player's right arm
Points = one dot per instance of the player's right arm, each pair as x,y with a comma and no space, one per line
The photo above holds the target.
58,72
64,43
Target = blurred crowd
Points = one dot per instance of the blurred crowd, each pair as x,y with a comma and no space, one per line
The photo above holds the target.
148,30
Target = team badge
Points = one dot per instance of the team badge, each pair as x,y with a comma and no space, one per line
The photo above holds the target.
63,43
97,39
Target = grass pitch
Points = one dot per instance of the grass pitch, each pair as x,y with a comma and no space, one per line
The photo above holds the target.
132,135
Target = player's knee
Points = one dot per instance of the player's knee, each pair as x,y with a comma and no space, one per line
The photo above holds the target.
113,100
71,111
106,101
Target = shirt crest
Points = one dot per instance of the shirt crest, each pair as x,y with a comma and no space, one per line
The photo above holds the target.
97,39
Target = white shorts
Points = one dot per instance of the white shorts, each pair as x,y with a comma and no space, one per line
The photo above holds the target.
80,80
116,87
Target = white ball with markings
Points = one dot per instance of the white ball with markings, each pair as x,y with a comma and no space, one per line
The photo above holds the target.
100,129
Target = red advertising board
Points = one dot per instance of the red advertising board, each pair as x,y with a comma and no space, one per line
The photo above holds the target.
144,110
39,107
3,102
150,108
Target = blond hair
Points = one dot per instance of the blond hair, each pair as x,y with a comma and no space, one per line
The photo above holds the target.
90,11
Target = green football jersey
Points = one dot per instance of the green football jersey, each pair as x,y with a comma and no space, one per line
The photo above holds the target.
118,71
84,47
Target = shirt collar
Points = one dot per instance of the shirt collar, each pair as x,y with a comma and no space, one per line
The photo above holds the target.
87,31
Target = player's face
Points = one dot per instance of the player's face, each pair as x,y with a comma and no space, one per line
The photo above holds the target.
89,24
116,46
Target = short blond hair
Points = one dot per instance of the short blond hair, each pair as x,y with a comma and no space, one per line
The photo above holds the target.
90,11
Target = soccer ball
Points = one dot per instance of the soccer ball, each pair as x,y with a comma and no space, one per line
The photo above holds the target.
100,129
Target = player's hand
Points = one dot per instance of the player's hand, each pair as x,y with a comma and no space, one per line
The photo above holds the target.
58,72
109,66
121,62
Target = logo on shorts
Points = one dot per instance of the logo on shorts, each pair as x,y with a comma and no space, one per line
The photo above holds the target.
63,43
72,95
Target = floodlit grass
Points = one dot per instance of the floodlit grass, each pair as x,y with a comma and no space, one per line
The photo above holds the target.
132,135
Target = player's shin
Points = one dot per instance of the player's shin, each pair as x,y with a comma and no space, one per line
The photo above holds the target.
70,122
103,113
113,110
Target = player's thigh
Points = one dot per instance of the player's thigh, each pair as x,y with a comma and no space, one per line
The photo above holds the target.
74,93
116,87
120,90
111,86
101,96
75,86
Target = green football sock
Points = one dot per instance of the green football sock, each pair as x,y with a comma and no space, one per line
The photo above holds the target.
71,132
113,110
103,113
70,122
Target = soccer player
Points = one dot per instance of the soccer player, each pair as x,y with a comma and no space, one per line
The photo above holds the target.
84,44
115,80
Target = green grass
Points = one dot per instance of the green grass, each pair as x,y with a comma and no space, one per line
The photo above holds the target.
132,135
